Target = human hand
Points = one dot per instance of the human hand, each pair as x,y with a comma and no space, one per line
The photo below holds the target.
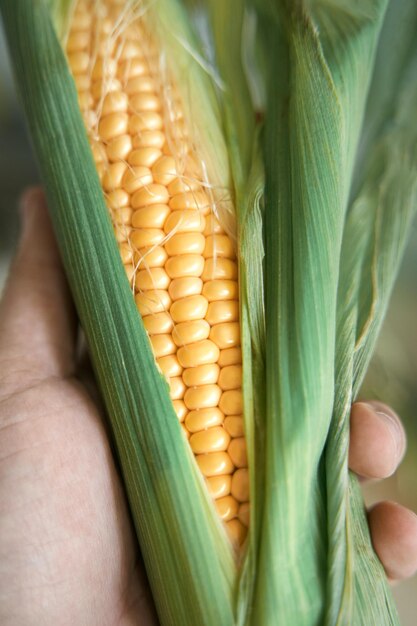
377,446
67,548
68,555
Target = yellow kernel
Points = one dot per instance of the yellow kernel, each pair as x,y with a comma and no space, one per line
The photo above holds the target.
115,102
164,170
162,345
190,332
151,194
237,532
113,177
154,256
215,463
144,156
78,40
150,139
213,226
184,222
104,67
134,72
188,309
119,148
185,431
121,232
184,287
153,216
117,199
227,508
240,485
82,82
122,216
179,406
210,440
223,311
177,388
230,377
146,120
85,102
139,83
226,335
78,62
136,177
202,397
221,290
90,117
156,278
113,125
219,486
196,200
149,302
106,24
231,356
185,243
185,265
103,86
101,170
244,513
159,323
237,452
147,237
145,101
126,253
130,71
130,271
171,367
81,20
219,246
203,418
130,50
99,152
182,184
203,375
198,353
234,425
220,268
231,402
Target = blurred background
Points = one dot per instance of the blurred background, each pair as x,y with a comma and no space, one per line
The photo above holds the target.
392,377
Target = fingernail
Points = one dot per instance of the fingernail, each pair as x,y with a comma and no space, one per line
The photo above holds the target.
394,425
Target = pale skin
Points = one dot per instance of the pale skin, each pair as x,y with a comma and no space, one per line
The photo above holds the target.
67,549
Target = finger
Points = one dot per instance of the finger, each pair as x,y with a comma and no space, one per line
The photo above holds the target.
377,440
37,318
394,537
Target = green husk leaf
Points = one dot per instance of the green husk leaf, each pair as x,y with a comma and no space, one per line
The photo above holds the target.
183,544
320,62
227,20
61,12
252,322
375,234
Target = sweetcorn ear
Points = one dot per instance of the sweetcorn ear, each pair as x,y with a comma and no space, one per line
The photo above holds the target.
166,215
191,563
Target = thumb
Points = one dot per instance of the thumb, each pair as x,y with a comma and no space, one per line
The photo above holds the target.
37,317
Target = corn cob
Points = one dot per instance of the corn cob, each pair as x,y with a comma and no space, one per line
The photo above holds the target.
180,262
